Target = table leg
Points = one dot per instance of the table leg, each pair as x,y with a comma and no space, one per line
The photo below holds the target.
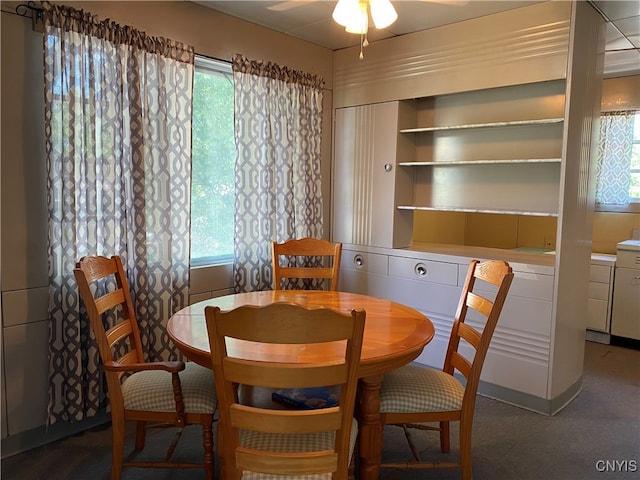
370,426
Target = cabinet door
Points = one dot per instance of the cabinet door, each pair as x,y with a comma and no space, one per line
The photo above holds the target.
597,315
625,321
365,181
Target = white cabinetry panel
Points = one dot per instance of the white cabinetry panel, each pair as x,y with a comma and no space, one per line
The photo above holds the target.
424,270
599,297
518,359
600,273
599,291
364,262
24,306
27,375
363,272
597,314
528,285
626,303
367,184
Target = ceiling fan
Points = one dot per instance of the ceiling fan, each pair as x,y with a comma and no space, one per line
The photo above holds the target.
354,15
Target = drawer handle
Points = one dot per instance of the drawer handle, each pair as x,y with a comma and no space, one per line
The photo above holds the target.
358,261
420,269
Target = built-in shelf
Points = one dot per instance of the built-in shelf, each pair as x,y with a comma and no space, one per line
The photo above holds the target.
481,162
478,210
542,121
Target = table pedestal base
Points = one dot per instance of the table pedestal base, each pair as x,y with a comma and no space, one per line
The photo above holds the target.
370,426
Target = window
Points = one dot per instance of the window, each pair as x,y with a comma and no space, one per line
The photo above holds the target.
213,160
634,170
618,162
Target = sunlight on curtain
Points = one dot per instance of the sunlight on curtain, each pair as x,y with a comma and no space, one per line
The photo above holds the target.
278,184
614,158
118,137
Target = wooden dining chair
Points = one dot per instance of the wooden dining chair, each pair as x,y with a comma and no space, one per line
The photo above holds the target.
166,393
298,261
260,440
413,395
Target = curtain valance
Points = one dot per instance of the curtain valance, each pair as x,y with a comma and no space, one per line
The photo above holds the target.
71,20
271,70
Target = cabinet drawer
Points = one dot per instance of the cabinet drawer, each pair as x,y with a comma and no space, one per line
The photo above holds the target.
599,291
364,262
424,270
628,259
527,285
600,273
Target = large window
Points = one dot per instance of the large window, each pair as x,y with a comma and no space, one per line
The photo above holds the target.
213,159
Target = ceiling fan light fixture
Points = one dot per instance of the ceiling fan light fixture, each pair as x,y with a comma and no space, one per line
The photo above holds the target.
354,16
383,13
345,11
359,22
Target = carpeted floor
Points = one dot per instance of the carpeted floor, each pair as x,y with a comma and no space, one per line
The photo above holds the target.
599,430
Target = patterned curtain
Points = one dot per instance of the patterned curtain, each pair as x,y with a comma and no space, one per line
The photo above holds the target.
278,131
118,139
614,158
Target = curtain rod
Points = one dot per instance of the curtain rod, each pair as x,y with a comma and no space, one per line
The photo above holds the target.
35,12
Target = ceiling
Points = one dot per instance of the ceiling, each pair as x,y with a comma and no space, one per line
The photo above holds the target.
311,20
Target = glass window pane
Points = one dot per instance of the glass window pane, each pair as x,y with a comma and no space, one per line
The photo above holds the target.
213,160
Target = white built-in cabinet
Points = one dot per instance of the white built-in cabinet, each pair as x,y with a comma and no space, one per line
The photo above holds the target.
518,361
491,116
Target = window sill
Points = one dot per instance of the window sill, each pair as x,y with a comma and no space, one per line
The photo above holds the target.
633,207
212,261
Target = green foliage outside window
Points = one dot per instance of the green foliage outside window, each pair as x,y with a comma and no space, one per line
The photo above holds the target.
213,160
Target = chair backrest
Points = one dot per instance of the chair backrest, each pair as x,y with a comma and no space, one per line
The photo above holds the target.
296,327
306,258
111,302
493,274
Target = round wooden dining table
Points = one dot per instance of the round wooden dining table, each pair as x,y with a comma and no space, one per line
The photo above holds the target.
394,336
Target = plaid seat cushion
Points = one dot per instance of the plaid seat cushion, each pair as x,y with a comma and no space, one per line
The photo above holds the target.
292,443
152,390
415,388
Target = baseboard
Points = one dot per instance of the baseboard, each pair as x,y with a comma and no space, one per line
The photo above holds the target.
530,402
23,441
598,337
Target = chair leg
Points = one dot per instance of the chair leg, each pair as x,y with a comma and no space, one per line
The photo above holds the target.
445,445
351,475
207,439
117,448
465,450
140,435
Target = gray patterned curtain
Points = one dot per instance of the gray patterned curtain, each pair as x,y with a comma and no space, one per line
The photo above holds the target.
118,139
614,158
278,132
